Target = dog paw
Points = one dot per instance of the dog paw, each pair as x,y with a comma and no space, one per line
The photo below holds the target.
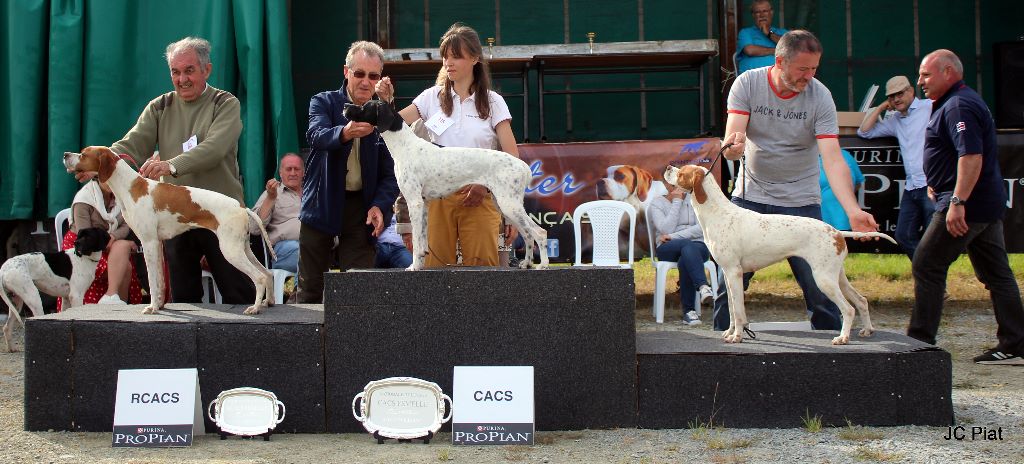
254,309
841,340
865,332
414,267
149,310
734,339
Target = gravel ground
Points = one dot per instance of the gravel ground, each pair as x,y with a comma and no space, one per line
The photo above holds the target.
983,396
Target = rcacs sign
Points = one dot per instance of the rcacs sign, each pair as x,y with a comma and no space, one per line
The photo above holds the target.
157,408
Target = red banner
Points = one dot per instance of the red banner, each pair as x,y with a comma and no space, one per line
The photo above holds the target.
568,174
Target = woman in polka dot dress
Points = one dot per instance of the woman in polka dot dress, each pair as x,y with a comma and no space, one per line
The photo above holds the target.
115,282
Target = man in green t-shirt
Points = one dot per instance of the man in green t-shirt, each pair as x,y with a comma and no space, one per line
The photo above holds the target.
196,129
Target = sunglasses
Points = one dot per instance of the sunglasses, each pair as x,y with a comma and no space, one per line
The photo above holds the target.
360,74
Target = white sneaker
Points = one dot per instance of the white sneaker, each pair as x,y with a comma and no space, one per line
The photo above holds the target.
111,300
691,318
706,296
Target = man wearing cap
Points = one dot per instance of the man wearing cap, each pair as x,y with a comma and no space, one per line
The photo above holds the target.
961,163
906,118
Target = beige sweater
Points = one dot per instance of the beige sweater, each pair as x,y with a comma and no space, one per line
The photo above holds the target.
168,122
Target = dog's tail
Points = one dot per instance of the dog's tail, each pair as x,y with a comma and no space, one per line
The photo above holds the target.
12,311
263,232
859,235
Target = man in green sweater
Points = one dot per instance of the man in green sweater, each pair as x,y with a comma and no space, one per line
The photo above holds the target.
196,129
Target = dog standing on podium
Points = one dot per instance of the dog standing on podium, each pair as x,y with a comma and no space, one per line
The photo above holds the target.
159,211
427,171
744,241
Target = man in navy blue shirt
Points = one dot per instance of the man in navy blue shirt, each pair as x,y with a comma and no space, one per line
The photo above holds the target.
962,168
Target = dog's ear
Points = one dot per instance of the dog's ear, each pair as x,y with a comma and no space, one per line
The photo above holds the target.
643,183
105,159
697,180
353,112
91,240
387,118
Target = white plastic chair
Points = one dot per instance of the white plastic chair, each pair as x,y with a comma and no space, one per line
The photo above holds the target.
208,284
63,218
661,269
605,217
280,275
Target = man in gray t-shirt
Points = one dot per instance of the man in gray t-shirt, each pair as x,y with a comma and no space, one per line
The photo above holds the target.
781,118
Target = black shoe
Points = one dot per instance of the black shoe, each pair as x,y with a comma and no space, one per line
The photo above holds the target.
994,356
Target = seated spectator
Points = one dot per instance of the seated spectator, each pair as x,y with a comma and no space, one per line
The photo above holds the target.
279,206
115,282
755,44
680,239
831,211
391,249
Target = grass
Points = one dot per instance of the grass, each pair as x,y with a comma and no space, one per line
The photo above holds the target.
811,424
891,267
863,453
859,433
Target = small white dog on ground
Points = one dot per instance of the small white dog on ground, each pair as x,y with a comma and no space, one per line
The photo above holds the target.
66,274
742,241
426,171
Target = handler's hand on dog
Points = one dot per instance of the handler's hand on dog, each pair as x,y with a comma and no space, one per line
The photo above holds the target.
863,221
474,195
375,218
355,130
153,168
85,176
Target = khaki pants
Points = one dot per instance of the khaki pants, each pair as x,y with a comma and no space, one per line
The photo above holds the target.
475,229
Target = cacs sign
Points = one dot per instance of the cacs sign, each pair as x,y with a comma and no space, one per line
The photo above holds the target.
493,405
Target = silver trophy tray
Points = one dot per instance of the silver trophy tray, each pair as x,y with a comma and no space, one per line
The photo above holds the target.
246,411
403,408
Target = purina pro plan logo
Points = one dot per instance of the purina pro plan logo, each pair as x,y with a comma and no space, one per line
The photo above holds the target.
493,405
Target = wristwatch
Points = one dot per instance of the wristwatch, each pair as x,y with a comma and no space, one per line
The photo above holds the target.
955,200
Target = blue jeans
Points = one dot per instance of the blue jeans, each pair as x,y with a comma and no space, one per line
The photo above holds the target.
916,210
390,255
824,313
690,256
287,252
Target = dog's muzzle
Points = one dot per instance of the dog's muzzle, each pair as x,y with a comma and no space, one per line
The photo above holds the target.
71,160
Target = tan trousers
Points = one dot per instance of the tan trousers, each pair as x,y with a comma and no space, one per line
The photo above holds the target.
475,229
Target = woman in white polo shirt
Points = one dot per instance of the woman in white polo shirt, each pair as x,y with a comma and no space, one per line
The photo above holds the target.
462,111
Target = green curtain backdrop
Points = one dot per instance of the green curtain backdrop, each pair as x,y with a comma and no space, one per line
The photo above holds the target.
76,73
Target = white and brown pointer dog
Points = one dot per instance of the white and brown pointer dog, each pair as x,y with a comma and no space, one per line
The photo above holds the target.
65,274
745,241
426,171
159,211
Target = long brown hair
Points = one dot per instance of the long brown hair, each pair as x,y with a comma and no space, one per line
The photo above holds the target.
462,41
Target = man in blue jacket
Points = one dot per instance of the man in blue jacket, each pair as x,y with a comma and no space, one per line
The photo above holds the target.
344,198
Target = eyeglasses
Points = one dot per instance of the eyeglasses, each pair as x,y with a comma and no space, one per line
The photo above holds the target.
360,74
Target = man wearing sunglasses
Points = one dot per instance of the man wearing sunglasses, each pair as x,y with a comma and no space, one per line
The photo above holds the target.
906,118
350,180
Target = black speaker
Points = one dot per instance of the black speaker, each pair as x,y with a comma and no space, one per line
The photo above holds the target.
1009,73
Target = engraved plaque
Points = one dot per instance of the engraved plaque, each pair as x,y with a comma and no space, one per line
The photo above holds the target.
401,407
246,411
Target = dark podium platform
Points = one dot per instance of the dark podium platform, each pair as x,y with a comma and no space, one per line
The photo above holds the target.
574,325
773,381
72,359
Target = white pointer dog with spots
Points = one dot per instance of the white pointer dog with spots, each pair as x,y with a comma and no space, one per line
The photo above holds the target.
745,241
159,211
426,171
